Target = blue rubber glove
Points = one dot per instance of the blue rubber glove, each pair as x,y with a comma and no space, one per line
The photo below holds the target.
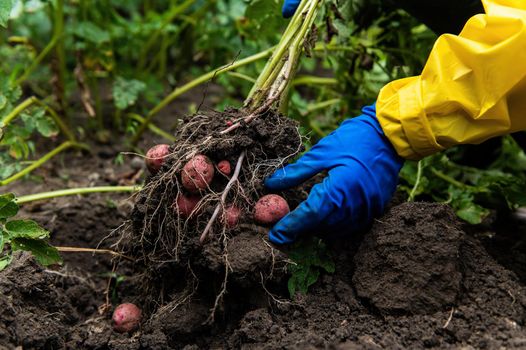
289,7
362,176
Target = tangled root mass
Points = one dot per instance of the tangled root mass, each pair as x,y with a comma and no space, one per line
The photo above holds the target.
176,268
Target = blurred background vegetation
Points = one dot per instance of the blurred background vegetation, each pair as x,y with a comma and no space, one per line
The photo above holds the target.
73,72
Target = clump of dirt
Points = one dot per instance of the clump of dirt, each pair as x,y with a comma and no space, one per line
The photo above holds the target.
425,241
176,262
483,306
37,312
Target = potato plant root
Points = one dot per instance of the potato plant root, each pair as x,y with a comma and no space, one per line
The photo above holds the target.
185,257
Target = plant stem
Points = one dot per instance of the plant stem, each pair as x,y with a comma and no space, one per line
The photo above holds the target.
313,80
75,191
449,179
16,111
320,105
169,17
275,77
58,29
197,81
224,195
242,76
31,101
417,182
92,250
37,60
39,162
155,129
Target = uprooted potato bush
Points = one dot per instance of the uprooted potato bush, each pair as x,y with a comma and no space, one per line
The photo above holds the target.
192,241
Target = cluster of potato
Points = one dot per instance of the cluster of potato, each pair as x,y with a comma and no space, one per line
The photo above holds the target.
196,177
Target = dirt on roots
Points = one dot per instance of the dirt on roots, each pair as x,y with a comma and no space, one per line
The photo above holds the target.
175,265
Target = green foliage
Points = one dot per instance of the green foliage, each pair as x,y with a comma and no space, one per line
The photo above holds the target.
471,192
17,138
126,92
24,235
310,257
5,9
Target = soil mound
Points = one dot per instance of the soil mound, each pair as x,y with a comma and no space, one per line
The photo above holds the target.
45,308
37,309
410,261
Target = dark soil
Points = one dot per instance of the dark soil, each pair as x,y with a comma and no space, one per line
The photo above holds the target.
418,279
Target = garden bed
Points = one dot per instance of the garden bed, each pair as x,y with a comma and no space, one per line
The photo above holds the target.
418,278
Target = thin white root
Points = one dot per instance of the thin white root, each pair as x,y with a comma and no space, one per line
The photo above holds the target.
221,204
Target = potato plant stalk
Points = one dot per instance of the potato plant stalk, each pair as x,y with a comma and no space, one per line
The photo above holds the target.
74,192
197,81
276,76
42,160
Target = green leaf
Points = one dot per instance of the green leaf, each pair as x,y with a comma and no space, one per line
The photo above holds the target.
261,20
91,32
472,213
25,229
8,206
3,101
5,10
465,207
43,252
2,240
5,261
126,92
310,257
47,127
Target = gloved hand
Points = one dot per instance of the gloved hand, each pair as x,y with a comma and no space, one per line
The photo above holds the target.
362,176
289,7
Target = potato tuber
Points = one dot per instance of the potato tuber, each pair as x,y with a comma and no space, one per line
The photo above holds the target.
231,215
155,157
126,318
185,205
197,174
224,167
270,209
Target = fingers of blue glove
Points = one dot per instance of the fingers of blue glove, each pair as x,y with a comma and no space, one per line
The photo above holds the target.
289,7
307,216
294,174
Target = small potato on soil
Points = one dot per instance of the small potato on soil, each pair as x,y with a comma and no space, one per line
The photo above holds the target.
155,157
224,167
198,173
126,318
185,205
270,209
231,215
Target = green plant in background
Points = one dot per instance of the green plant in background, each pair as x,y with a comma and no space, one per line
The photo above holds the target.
471,192
24,235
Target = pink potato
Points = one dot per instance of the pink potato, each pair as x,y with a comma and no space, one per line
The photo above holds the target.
270,209
155,157
231,215
126,318
185,205
224,167
197,174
